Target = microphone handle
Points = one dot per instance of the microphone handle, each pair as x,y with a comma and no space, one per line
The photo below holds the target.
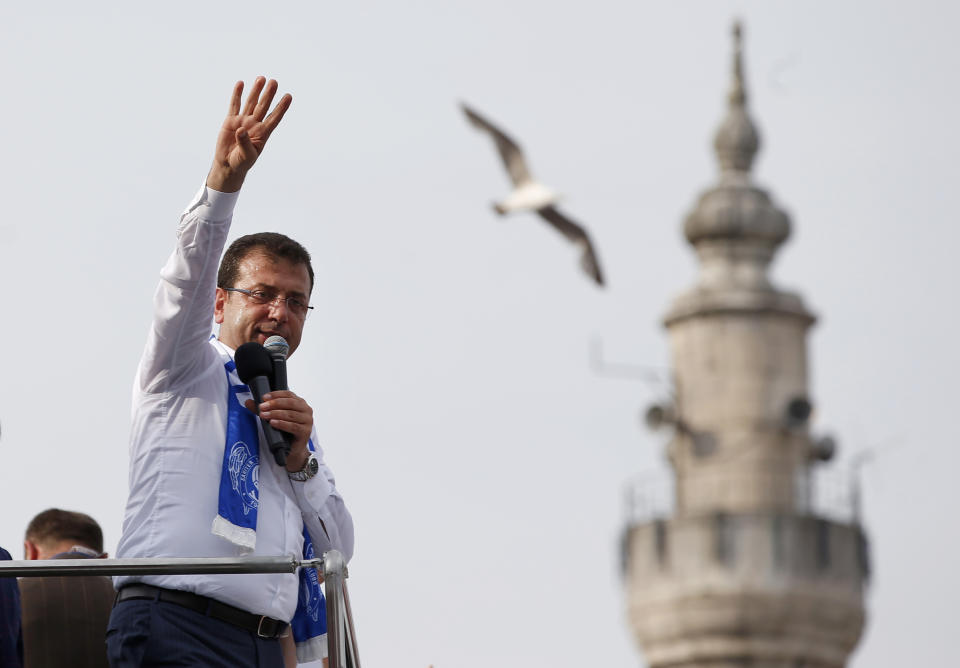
279,382
278,441
279,372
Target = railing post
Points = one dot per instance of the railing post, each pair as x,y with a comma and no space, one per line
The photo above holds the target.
341,641
332,580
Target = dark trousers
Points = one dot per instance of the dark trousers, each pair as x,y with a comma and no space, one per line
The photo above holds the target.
149,633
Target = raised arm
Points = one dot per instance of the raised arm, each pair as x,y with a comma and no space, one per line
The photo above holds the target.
183,303
244,133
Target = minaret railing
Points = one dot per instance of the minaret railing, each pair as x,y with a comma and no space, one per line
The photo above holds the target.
830,493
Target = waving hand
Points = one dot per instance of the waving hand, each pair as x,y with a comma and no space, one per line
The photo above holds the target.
244,133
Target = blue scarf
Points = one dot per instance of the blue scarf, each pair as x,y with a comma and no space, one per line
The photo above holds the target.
236,518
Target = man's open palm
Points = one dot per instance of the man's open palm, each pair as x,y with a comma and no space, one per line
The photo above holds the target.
244,133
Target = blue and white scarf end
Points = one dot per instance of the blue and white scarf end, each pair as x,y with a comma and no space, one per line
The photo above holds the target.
312,649
242,537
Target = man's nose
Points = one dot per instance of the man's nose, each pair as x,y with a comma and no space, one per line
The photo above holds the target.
280,309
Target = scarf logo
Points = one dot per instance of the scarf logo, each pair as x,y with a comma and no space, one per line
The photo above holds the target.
311,595
245,476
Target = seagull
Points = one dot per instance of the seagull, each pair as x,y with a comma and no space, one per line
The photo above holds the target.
530,195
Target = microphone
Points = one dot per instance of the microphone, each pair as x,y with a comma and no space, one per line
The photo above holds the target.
255,368
278,348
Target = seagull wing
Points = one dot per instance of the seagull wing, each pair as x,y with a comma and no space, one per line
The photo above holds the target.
579,236
510,152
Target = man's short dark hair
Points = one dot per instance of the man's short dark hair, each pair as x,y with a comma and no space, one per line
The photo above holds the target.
55,525
273,244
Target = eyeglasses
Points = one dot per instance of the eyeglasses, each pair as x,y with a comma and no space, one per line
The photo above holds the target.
265,297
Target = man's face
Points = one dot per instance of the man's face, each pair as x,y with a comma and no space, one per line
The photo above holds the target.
241,320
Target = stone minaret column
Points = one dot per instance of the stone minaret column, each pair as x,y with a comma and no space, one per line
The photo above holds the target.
744,573
739,344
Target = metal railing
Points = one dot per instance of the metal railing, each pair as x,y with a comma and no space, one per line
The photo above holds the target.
341,637
832,493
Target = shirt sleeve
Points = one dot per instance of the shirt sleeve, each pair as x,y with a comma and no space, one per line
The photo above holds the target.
324,512
183,302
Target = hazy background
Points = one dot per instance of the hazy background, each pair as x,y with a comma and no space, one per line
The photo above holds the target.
448,358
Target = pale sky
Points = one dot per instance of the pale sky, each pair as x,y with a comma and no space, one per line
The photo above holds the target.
447,361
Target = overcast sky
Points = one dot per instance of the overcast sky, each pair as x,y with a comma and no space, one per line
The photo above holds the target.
447,361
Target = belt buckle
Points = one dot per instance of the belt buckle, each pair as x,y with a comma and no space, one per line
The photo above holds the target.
260,632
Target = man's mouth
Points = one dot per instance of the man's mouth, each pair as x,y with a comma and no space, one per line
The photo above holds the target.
264,335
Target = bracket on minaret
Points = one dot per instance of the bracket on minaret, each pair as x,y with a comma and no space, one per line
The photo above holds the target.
823,448
796,417
797,413
658,416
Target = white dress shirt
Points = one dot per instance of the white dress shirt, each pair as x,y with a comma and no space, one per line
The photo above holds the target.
178,436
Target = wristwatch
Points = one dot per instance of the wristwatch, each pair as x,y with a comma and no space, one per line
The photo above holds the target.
310,468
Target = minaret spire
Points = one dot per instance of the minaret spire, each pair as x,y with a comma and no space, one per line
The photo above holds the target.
737,140
735,227
738,94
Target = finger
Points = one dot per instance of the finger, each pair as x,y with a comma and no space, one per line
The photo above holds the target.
288,409
291,422
251,406
299,431
273,120
290,417
285,400
235,96
278,399
291,406
266,99
280,394
246,144
286,396
254,95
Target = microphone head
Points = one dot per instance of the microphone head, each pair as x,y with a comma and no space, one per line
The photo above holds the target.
252,360
277,346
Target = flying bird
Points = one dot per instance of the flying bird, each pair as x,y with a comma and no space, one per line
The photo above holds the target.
531,195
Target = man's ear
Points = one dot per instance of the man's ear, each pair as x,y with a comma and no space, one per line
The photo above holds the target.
218,305
30,551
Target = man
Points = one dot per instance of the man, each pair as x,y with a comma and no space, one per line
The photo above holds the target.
11,642
64,618
62,534
188,404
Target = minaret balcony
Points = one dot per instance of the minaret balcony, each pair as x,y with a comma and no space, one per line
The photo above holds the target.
710,588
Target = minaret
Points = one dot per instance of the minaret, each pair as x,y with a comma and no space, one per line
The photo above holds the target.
744,572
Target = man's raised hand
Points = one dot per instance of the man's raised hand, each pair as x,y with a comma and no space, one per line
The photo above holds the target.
244,133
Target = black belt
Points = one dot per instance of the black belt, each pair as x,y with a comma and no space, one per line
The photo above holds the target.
263,626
